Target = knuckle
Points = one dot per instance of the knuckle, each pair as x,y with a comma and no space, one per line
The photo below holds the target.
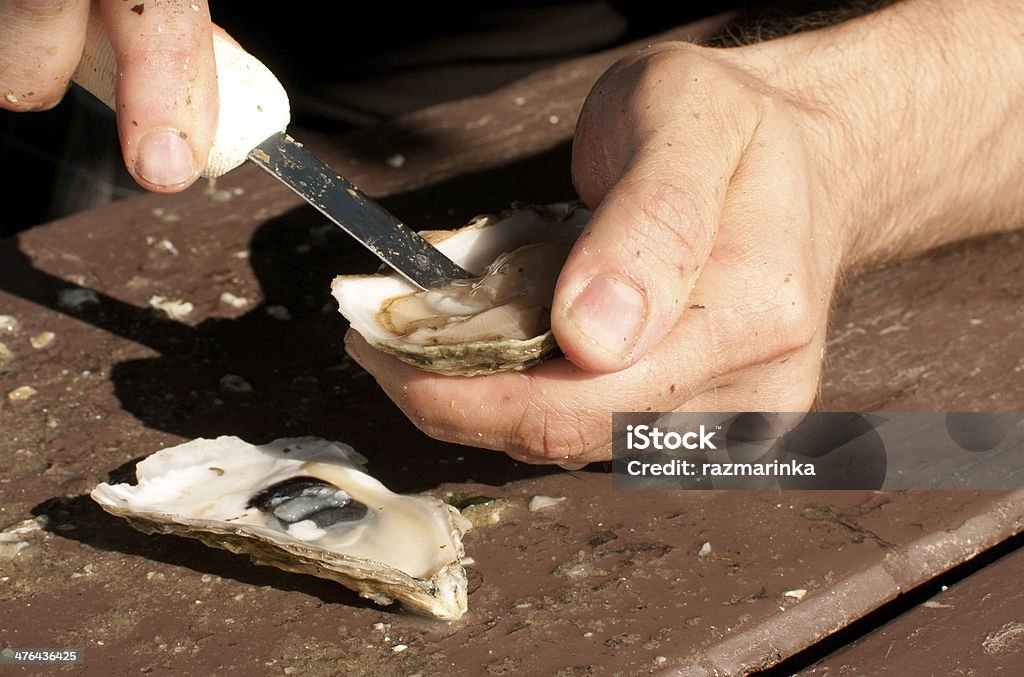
31,102
672,224
777,325
161,55
800,393
795,319
802,400
796,396
790,385
544,432
32,87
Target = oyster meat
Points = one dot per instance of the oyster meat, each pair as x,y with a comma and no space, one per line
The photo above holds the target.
496,322
303,505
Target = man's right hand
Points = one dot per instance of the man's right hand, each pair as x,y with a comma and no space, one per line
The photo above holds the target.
166,76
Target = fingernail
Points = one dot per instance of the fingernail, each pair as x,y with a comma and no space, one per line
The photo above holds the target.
164,158
611,313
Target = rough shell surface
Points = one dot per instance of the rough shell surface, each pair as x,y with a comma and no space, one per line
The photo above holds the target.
393,547
363,298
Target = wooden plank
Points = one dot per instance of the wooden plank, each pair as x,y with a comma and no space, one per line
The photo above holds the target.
975,627
608,582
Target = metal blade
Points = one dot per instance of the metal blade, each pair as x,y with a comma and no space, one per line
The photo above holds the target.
395,243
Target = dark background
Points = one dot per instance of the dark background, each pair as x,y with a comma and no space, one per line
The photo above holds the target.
343,72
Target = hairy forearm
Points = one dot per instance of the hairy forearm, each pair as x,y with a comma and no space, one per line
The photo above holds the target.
917,112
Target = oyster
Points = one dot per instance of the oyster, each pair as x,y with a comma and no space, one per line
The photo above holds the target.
497,322
303,505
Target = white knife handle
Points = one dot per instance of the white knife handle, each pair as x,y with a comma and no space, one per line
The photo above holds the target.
253,104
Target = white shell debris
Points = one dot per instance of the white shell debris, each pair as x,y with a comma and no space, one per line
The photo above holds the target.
176,309
167,246
164,244
229,299
705,550
11,549
935,604
220,194
42,339
797,594
13,538
544,502
302,505
497,322
9,324
22,393
166,217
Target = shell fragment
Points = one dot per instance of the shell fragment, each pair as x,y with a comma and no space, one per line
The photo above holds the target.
302,505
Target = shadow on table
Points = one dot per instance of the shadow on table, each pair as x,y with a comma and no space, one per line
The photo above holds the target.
261,378
287,377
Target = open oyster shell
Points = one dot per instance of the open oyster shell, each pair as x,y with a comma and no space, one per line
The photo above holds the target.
498,322
302,505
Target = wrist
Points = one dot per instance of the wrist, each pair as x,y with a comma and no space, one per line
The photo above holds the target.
911,117
801,71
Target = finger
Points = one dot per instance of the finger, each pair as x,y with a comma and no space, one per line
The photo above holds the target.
628,279
166,88
40,44
484,411
552,413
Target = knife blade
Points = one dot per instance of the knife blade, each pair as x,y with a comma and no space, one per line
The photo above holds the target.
339,200
253,113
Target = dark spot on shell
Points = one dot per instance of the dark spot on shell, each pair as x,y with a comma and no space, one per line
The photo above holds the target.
219,471
139,8
298,499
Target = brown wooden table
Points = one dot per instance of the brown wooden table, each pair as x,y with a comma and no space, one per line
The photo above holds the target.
605,583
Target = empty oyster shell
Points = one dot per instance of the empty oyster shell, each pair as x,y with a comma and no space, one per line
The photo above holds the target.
303,505
497,322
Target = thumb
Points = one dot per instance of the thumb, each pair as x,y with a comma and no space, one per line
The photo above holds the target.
166,89
629,276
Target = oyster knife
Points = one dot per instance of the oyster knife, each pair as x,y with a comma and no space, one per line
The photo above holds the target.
336,198
253,113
